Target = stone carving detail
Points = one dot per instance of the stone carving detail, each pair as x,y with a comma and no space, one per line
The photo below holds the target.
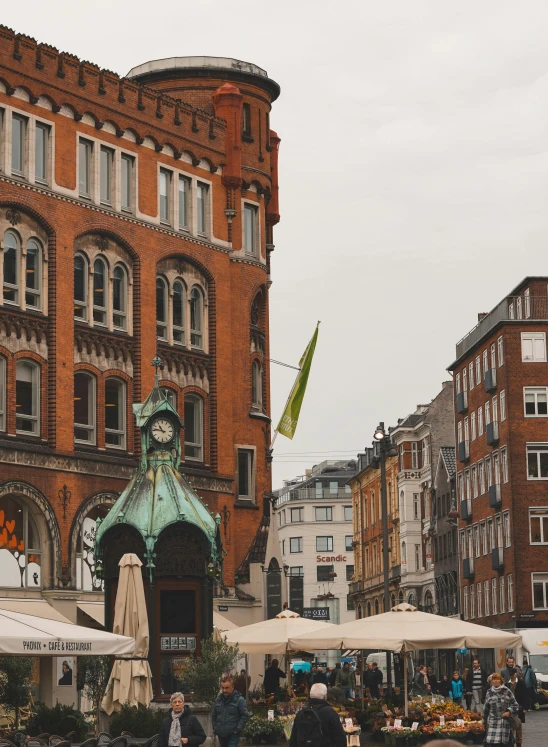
20,322
67,463
120,541
114,346
13,216
181,551
101,243
215,484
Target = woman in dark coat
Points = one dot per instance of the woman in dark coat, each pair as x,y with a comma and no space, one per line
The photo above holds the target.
180,727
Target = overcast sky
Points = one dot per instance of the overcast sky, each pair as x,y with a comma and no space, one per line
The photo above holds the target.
413,177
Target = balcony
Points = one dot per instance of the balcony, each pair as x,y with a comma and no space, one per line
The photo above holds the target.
495,496
466,510
497,558
468,567
462,402
505,311
464,451
492,433
490,381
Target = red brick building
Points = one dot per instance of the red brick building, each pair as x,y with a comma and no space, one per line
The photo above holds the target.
136,219
501,416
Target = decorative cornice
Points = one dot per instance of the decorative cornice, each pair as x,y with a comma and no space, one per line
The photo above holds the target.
20,321
85,336
189,361
66,463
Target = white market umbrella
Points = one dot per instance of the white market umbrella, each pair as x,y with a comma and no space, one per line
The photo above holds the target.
130,679
27,635
221,625
406,629
272,636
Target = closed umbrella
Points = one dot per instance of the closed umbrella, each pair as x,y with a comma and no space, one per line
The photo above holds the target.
406,629
130,679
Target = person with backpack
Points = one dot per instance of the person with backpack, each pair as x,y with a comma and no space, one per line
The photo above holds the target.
530,679
317,725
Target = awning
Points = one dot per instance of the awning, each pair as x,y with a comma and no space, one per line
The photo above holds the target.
35,607
96,610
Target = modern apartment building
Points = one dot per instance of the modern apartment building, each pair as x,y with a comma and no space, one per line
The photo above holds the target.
501,413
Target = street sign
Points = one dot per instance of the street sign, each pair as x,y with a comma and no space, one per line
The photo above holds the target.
223,608
316,613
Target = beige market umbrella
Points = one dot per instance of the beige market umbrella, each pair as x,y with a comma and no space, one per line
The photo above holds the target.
130,679
406,629
272,636
221,625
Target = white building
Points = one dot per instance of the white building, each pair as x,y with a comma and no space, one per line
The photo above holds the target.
314,520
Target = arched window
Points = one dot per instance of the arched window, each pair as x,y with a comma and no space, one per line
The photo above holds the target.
257,385
161,308
373,509
196,318
86,577
400,597
12,249
170,395
178,312
428,602
2,393
392,600
194,427
119,298
412,599
27,398
100,297
403,552
20,556
84,408
368,609
32,275
376,606
80,287
115,413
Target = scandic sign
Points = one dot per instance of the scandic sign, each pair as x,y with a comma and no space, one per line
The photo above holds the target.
332,558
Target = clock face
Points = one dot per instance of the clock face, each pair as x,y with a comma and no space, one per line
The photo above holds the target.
162,430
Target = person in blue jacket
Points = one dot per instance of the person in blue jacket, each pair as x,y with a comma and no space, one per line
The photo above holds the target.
457,688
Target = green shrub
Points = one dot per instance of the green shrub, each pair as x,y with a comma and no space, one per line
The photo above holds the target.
203,674
258,726
61,720
141,721
16,683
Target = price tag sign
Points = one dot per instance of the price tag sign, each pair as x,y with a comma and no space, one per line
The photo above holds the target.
348,723
270,715
415,725
460,722
442,720
397,723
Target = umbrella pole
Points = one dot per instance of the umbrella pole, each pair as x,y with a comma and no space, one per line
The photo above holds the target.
405,684
246,676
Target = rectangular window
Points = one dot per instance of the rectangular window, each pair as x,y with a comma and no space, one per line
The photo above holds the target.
296,570
487,409
324,544
126,168
485,359
84,408
488,473
165,193
533,347
538,526
537,461
502,595
495,406
483,534
474,482
18,144
115,413
518,308
504,463
510,585
493,356
481,470
464,380
27,398
540,591
480,421
535,401
494,596
333,488
246,120
500,351
202,193
459,432
457,383
472,602
478,590
105,165
349,572
85,152
527,303
471,374
348,543
418,557
496,468
465,594
184,202
324,513
295,544
478,370
491,533
194,439
319,490
297,515
511,310
414,455
477,547
506,529
348,513
245,474
324,572
41,152
503,405
486,598
473,426
416,506
250,229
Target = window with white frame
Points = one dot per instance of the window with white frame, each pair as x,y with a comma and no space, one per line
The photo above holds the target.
478,370
348,542
126,182
296,570
488,472
474,481
41,153
464,380
185,193
100,292
510,586
493,355
467,484
491,533
537,461
164,190
348,513
504,464
256,385
324,513
473,426
460,486
324,544
496,468
485,360
511,314
527,303
538,526
251,220
115,413
506,529
472,602
297,515
119,297
477,547
471,374
106,165
540,590
81,287
84,408
295,544
494,596
246,474
416,506
481,473
480,421
502,595
500,351
194,436
418,563
2,393
533,347
202,208
22,289
486,597
535,401
479,595
483,536
414,455
19,127
27,397
487,411
459,432
519,314
457,383
85,167
502,405
12,262
495,405
196,318
465,597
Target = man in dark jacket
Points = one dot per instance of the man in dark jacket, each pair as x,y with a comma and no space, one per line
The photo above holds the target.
320,676
475,686
332,731
375,680
229,714
333,674
272,677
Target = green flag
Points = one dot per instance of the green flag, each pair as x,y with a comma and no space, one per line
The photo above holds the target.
290,417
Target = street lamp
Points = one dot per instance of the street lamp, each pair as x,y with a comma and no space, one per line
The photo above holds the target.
384,449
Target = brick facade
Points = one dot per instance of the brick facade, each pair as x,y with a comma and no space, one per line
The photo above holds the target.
188,122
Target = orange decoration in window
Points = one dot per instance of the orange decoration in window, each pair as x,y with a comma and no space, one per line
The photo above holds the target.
2,518
3,537
21,546
13,541
10,526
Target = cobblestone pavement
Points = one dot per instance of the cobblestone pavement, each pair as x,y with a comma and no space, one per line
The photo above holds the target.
535,729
